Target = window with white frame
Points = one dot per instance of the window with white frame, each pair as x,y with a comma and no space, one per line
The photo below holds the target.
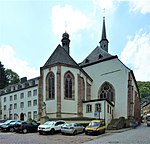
4,107
10,106
34,102
21,95
97,107
11,98
88,108
34,114
15,105
4,99
35,92
29,93
22,105
29,103
15,97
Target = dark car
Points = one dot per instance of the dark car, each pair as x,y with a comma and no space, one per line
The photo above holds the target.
25,127
9,127
6,122
2,121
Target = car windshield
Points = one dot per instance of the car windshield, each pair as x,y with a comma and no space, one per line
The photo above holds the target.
18,122
68,124
7,122
49,123
12,123
94,124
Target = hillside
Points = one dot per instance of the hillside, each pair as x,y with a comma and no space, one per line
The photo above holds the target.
144,88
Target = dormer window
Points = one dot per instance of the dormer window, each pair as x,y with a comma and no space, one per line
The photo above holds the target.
86,61
100,56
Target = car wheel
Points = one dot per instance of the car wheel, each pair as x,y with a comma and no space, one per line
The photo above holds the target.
75,132
52,131
103,131
11,130
25,131
40,133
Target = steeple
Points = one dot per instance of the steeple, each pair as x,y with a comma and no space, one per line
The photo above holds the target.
104,42
65,41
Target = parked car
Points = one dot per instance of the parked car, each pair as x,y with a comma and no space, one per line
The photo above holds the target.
25,127
50,127
2,121
95,127
6,122
72,128
9,126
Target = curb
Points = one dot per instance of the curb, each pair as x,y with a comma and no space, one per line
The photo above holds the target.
118,131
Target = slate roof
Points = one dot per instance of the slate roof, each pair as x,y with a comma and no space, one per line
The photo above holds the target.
97,55
60,56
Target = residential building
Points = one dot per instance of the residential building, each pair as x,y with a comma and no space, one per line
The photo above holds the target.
20,101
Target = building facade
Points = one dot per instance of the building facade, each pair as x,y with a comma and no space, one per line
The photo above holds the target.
101,86
20,101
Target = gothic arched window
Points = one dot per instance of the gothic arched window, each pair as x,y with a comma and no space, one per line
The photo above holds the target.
50,86
107,92
69,86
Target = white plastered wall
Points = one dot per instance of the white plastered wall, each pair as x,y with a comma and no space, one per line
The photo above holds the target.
114,72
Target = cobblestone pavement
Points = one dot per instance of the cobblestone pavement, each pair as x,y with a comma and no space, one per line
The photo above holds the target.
140,135
35,138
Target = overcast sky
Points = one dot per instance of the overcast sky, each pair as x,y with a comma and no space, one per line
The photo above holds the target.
30,30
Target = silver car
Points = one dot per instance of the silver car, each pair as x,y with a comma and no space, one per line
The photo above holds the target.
72,128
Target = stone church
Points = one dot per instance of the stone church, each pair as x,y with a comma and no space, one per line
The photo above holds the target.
101,86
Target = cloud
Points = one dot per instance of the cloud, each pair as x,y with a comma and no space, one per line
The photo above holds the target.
140,5
74,20
11,61
109,5
136,54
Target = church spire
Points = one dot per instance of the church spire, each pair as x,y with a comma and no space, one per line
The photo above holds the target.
104,42
65,41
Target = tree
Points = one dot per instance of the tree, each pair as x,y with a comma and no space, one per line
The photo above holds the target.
3,77
144,88
12,77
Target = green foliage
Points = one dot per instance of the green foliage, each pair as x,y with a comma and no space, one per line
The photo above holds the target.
12,76
7,77
144,88
3,77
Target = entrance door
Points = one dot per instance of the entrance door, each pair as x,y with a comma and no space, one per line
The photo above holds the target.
22,117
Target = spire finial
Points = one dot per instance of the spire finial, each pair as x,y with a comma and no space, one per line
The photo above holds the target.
104,12
65,26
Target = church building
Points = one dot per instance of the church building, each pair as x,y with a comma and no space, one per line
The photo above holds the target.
101,86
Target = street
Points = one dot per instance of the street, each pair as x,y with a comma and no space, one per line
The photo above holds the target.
140,135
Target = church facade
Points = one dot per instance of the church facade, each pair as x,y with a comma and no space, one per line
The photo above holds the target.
101,86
